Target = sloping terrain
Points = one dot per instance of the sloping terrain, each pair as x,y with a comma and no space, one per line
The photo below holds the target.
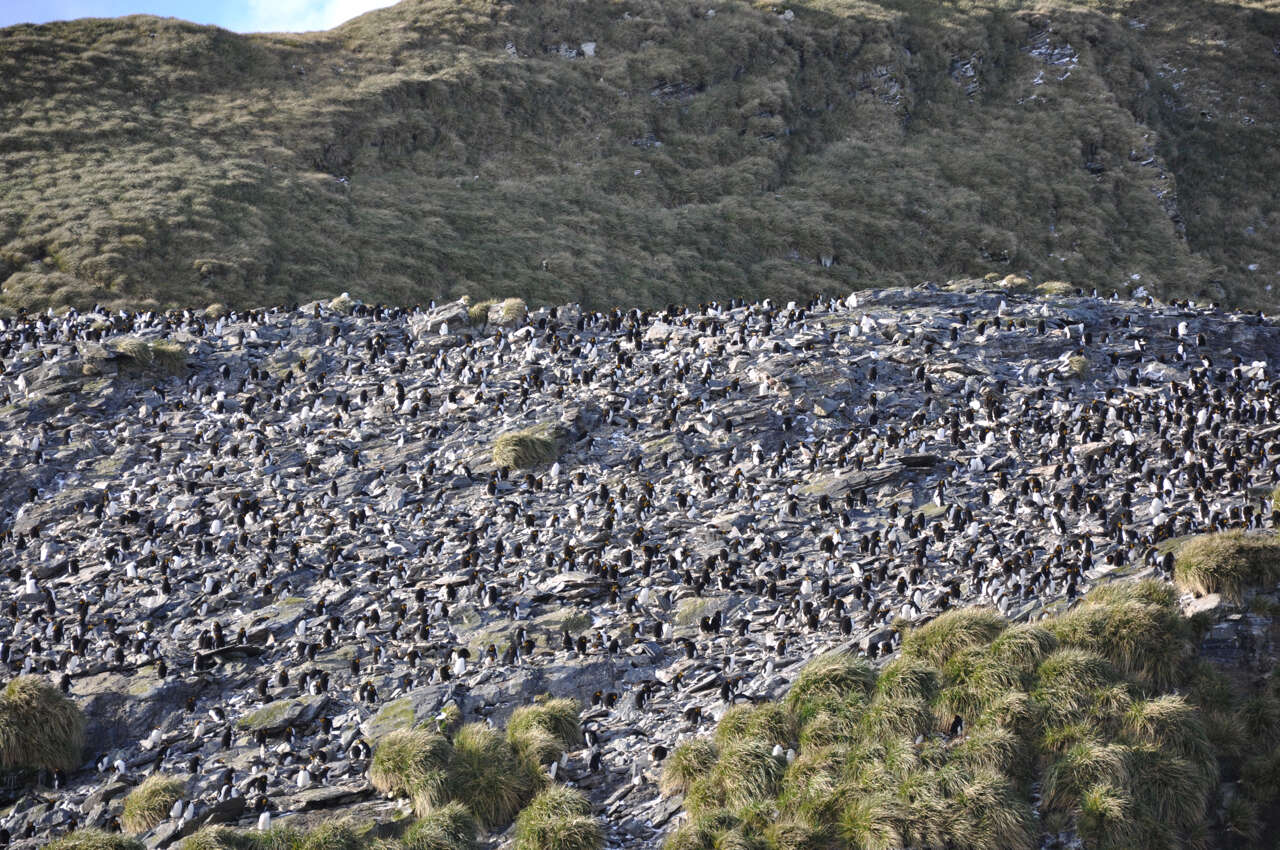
642,152
250,548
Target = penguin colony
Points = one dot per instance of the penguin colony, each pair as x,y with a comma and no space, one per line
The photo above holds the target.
308,515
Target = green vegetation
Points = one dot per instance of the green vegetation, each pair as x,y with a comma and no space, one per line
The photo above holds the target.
40,728
512,311
1227,563
413,763
488,775
1099,721
449,827
94,839
542,731
156,355
686,763
1078,367
559,818
330,835
522,449
478,313
493,775
438,149
149,803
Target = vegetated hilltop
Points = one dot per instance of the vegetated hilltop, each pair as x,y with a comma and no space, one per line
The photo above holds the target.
642,152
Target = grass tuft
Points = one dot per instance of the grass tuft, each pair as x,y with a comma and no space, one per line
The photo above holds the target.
558,818
745,772
937,640
1147,640
766,723
412,763
95,839
546,729
686,763
488,776
524,449
907,678
448,827
1228,563
149,803
40,728
832,675
162,356
341,834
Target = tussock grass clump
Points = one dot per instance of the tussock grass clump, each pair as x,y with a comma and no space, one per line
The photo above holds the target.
1078,366
343,305
1259,717
478,313
831,720
413,763
1024,646
546,729
341,834
161,356
834,674
558,818
524,449
1228,563
988,812
488,776
223,838
512,311
748,771
1068,706
40,728
449,827
768,723
686,763
1056,287
908,678
943,636
149,803
1139,630
95,839
702,831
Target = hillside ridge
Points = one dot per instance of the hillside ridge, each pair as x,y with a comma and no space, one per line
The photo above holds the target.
645,153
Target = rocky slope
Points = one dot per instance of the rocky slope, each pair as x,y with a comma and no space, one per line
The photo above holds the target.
642,153
257,556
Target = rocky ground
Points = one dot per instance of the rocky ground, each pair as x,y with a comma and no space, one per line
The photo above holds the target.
248,570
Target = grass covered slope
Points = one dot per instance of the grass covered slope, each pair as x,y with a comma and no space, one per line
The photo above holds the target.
642,153
983,734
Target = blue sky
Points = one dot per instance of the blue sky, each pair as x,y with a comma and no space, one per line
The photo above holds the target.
237,15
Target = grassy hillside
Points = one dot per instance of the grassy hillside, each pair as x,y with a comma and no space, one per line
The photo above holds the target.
643,151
